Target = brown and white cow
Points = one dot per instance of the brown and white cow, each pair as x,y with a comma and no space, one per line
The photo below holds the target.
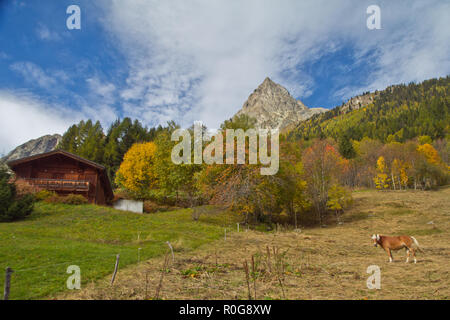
397,243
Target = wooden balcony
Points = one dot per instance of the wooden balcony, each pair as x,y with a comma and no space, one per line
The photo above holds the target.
59,184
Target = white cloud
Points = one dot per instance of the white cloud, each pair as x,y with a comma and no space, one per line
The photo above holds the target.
3,56
44,33
99,103
206,58
413,45
198,60
101,89
96,104
28,118
34,74
51,80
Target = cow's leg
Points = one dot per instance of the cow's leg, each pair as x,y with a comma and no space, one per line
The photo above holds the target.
414,255
388,251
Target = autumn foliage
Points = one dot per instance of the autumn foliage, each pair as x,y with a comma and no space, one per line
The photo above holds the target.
136,173
314,180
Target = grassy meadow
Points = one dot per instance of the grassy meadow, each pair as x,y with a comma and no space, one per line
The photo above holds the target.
316,263
40,248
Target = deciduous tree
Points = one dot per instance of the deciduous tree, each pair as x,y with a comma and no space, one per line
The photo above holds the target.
137,172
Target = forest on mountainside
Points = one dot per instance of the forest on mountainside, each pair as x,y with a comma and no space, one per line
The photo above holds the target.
398,113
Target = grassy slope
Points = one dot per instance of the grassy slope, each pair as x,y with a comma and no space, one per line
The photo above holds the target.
55,236
321,263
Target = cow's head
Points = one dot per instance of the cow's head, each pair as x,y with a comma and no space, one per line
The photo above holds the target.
375,239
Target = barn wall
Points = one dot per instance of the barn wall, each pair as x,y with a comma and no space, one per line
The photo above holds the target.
100,196
65,168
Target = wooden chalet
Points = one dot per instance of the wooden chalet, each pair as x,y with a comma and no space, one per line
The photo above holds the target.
65,173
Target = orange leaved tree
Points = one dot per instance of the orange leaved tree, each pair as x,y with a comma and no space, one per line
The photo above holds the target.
322,168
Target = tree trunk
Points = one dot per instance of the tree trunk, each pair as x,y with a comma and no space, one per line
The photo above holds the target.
393,180
295,219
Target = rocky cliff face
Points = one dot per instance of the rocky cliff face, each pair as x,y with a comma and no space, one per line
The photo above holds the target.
43,144
273,107
357,102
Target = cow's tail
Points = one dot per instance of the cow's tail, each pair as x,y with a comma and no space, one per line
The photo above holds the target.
417,244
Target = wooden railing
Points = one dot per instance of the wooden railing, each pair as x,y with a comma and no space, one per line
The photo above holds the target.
59,184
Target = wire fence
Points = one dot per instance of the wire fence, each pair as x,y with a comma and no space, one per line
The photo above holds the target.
41,280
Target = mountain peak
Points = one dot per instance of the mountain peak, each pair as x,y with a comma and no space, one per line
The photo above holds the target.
40,145
273,107
269,84
267,80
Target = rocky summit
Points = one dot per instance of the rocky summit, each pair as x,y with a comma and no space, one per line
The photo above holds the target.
43,144
274,108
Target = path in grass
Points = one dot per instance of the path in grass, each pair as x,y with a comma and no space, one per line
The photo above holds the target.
40,248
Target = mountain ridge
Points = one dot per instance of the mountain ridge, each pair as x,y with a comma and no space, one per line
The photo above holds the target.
32,147
273,107
397,113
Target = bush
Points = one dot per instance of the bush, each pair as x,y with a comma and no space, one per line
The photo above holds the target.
23,188
12,206
43,195
74,199
152,207
122,194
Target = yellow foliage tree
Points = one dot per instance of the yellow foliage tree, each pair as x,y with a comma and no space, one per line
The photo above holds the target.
338,199
430,153
404,176
300,200
399,173
381,179
136,172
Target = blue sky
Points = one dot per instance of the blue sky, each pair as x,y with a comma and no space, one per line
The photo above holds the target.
200,60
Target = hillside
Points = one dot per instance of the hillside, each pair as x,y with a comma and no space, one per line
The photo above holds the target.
319,263
398,113
40,248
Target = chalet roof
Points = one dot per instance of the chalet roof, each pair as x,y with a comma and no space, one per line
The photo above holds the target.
16,162
102,169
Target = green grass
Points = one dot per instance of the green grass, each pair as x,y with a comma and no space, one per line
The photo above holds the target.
40,248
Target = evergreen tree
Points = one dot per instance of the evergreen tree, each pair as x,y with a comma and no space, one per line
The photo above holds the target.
13,207
345,146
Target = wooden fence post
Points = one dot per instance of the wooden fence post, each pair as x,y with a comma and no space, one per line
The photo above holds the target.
9,271
171,249
115,269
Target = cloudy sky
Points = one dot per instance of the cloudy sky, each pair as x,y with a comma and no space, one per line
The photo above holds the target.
199,60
